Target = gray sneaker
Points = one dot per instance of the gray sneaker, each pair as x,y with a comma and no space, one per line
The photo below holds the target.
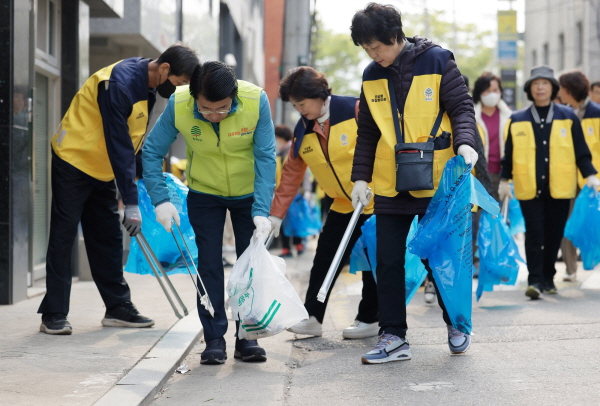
458,342
389,348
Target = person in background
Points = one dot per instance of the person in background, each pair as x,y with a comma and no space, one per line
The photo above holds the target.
544,148
424,79
575,92
491,115
595,92
230,148
283,142
324,141
93,149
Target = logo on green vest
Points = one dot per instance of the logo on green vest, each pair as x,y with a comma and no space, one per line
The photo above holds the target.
195,131
379,98
428,94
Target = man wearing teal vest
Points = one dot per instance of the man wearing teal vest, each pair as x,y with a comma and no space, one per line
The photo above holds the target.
230,147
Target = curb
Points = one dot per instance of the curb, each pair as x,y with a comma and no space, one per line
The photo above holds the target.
146,378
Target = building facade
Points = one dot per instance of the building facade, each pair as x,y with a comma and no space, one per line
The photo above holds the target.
563,34
48,49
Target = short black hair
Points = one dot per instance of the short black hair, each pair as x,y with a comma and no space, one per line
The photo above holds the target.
595,84
576,83
555,90
380,22
483,83
214,80
283,131
181,58
302,83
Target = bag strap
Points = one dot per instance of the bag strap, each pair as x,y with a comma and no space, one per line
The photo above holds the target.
395,110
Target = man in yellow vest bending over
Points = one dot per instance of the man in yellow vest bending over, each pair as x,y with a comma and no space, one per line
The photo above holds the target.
95,145
230,147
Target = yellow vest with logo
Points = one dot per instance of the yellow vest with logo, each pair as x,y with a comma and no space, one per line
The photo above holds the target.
420,112
223,164
590,125
332,175
562,163
79,139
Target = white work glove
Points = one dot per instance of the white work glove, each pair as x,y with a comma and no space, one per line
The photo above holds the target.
504,190
275,225
360,192
592,182
263,227
132,220
164,213
468,154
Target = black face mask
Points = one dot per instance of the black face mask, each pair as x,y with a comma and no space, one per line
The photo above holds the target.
166,89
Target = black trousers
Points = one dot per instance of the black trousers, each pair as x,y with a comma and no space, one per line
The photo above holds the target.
545,220
207,217
392,230
329,241
77,196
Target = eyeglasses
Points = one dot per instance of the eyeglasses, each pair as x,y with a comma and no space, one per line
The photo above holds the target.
209,112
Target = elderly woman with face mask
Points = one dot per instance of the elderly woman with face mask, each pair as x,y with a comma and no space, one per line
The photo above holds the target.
491,114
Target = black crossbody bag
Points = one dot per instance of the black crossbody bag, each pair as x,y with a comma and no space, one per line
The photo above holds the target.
414,160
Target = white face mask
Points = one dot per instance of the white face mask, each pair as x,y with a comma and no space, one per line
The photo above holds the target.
491,99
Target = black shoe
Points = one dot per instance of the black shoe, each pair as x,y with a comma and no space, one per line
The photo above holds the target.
534,292
550,288
125,315
249,351
214,353
56,324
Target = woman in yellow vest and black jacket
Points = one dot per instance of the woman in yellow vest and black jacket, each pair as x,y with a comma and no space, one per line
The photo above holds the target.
544,147
324,141
422,78
574,91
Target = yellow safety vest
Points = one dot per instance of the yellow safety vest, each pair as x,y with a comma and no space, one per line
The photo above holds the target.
590,125
220,165
562,163
420,112
332,175
79,139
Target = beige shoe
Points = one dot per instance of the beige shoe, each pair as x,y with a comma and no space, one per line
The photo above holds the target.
310,327
358,329
570,278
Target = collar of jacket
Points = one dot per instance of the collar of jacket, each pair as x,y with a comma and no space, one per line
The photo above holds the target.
536,116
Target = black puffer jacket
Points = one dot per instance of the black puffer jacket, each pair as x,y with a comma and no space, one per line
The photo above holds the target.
457,103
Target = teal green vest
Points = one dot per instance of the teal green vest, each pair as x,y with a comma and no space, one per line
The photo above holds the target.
223,164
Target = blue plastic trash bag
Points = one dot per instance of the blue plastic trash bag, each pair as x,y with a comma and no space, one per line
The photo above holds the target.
583,227
498,254
302,218
444,237
516,221
158,238
364,257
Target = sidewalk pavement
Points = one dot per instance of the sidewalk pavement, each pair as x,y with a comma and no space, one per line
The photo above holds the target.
119,366
96,364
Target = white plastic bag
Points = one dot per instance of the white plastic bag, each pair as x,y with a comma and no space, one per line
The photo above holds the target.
260,294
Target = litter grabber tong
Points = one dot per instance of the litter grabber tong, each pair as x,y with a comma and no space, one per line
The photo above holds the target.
160,273
204,299
504,209
340,251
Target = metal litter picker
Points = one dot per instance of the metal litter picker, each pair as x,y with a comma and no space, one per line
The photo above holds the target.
340,251
158,271
204,299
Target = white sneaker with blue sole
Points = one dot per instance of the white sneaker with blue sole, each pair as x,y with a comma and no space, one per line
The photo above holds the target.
389,348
